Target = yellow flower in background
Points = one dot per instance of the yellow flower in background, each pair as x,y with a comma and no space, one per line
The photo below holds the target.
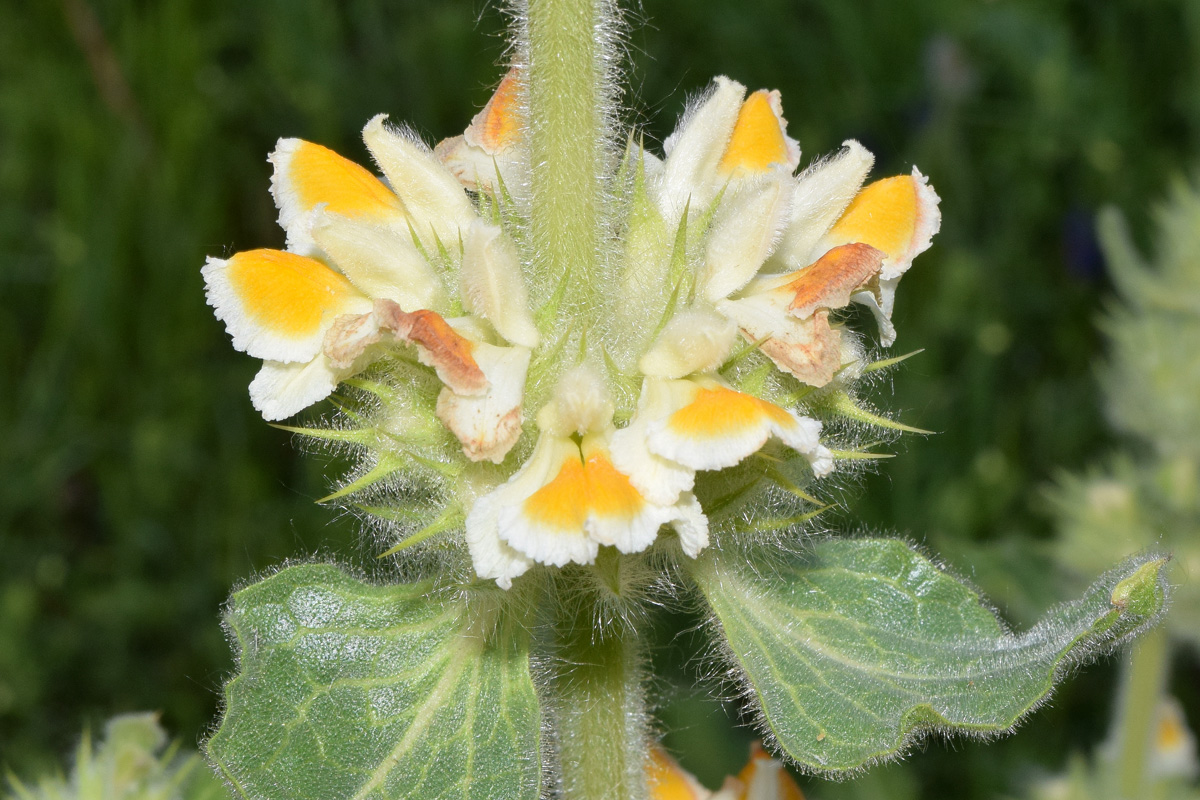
725,272
763,778
1173,750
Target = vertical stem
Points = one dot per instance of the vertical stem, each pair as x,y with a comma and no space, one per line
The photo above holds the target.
598,705
600,716
567,100
1145,675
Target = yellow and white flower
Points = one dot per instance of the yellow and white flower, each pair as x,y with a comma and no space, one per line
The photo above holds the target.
568,498
356,280
682,426
772,262
632,396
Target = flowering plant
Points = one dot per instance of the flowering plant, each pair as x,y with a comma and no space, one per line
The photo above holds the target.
581,380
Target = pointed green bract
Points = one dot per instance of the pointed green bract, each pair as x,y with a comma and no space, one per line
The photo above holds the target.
858,649
351,690
842,403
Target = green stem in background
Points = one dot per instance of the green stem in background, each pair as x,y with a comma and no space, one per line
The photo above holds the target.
599,710
1145,675
567,98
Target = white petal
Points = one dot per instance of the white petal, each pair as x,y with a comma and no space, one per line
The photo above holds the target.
581,404
696,340
929,222
691,524
433,197
491,557
900,216
695,148
630,535
805,439
887,291
660,480
383,262
744,233
492,285
293,211
280,390
489,425
821,194
652,166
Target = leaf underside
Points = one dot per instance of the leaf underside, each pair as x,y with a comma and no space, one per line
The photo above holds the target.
346,689
864,645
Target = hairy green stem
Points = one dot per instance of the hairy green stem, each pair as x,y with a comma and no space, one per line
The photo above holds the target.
1145,675
599,711
598,705
567,101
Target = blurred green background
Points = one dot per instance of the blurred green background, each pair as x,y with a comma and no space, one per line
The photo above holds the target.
137,485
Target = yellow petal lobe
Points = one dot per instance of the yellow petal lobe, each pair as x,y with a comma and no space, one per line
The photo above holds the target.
288,294
609,493
561,504
719,412
883,215
319,175
757,142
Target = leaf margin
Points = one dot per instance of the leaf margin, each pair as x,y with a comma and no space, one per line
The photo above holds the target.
489,618
1126,581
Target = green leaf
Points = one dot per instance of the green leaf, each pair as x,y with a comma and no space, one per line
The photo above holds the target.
863,646
347,689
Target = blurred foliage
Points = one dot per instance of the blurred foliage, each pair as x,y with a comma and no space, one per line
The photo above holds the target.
1171,767
137,484
133,762
1148,495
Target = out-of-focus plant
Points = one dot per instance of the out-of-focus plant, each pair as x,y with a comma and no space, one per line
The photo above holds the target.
580,380
1166,765
132,762
1148,495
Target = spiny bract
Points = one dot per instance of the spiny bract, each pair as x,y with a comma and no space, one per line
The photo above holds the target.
547,416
